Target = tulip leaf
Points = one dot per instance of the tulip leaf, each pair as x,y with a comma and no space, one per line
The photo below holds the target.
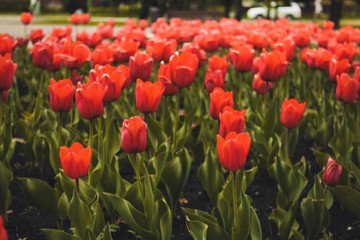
42,194
271,118
54,234
349,197
214,231
79,214
114,141
176,173
107,233
158,161
210,177
321,158
132,216
98,220
53,152
255,226
6,177
197,229
155,129
242,228
63,206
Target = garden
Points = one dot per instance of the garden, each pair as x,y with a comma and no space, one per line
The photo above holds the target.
203,130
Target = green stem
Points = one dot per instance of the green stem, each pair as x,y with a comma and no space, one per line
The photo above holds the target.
91,134
287,145
60,224
107,132
240,86
344,113
137,172
1,106
266,96
77,186
176,119
59,130
25,31
234,197
99,134
163,108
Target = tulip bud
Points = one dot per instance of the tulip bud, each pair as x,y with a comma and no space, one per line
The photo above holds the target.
148,95
233,150
7,71
26,18
133,135
231,121
331,175
75,160
347,88
218,100
61,95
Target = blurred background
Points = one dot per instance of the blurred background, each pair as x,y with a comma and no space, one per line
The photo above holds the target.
205,9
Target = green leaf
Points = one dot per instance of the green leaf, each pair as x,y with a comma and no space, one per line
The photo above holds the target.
210,177
98,220
42,194
63,206
242,228
315,216
53,152
197,229
176,173
288,221
135,219
54,234
115,140
255,226
166,223
159,161
349,197
6,177
107,233
214,231
79,214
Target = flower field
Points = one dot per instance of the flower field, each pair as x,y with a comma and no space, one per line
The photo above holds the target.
205,130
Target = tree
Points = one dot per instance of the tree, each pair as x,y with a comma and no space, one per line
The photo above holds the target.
239,10
335,12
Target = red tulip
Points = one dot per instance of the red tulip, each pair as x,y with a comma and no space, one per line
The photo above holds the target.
75,160
84,18
75,19
183,69
207,41
4,95
272,66
291,113
164,76
143,23
3,233
61,95
140,66
195,49
347,88
259,85
101,55
286,46
322,59
7,71
214,79
258,39
112,78
161,49
148,95
302,38
89,99
41,55
7,44
337,67
218,63
60,33
124,49
20,42
231,121
345,50
255,65
332,172
218,100
329,25
82,36
233,150
242,57
133,135
26,18
75,78
36,35
75,54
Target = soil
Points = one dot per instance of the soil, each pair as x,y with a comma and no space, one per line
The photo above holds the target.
26,219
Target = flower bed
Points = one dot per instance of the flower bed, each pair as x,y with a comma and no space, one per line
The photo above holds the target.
213,130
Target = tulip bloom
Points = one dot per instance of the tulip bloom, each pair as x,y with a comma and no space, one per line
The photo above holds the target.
36,35
3,233
195,49
346,50
255,65
259,85
124,49
61,95
161,49
75,54
148,95
112,78
164,76
7,71
337,67
7,44
347,88
26,18
302,38
218,100
242,57
231,121
218,63
84,18
272,66
286,46
89,99
75,19
140,66
183,69
331,175
322,59
101,55
233,150
291,113
214,79
75,160
133,135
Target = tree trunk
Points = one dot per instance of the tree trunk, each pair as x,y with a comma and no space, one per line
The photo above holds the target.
227,4
335,12
239,10
144,12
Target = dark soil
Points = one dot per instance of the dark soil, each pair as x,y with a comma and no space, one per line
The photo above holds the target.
26,219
